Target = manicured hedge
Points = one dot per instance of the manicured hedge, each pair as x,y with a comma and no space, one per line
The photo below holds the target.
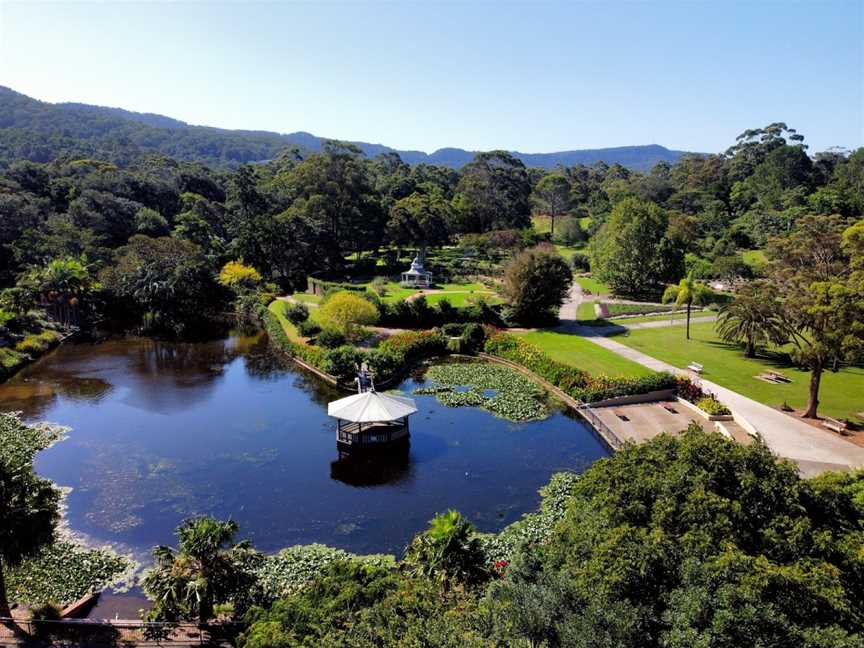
321,286
576,383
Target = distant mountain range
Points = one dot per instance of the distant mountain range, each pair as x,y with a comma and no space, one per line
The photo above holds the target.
42,131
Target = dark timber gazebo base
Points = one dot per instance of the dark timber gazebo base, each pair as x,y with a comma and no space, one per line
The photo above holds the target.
380,433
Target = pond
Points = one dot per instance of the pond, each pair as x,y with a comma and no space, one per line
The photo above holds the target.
161,431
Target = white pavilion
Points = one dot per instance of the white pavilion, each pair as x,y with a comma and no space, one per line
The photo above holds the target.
417,276
371,419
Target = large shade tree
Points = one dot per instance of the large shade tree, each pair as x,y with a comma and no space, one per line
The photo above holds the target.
420,219
632,251
551,197
29,504
493,193
818,297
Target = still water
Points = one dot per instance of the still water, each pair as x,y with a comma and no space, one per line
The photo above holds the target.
160,431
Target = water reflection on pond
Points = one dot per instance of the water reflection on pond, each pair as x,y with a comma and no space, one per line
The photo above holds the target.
161,431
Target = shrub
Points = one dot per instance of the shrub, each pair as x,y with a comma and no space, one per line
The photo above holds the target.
239,278
712,406
346,312
411,345
453,329
379,286
296,312
536,282
331,338
448,550
473,337
308,328
38,344
384,363
342,362
581,262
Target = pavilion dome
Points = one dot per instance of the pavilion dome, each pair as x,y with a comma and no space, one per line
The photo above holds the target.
371,407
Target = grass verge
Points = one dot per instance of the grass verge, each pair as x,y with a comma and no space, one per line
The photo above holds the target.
725,364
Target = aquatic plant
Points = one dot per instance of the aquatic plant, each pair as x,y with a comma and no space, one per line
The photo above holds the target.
288,571
64,572
533,528
515,397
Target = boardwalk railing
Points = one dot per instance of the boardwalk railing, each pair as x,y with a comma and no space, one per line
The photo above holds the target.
597,423
104,634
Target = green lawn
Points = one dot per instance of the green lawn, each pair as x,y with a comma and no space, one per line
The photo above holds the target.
460,299
586,311
657,318
596,287
307,298
841,395
581,353
278,307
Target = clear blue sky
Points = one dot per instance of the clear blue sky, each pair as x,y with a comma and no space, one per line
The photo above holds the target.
538,76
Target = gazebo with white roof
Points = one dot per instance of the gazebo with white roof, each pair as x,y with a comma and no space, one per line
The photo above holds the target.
417,276
371,419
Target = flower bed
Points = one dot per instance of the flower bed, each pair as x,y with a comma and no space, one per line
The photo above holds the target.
574,382
705,401
712,406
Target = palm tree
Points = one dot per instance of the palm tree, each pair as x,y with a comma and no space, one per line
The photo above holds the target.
688,292
203,571
60,283
753,318
448,549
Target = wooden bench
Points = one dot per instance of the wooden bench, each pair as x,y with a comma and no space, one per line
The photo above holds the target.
695,366
835,425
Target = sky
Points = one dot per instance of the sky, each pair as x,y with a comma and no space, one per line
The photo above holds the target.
528,76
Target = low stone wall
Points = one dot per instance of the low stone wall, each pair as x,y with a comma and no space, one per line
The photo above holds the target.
633,399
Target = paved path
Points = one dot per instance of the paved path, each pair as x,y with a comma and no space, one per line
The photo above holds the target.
814,450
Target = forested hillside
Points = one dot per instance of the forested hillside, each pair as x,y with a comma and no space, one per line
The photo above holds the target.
41,132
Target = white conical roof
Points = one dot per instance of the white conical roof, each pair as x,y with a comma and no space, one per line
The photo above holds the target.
370,407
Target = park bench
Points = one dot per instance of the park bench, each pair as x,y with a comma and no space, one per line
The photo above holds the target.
695,366
835,425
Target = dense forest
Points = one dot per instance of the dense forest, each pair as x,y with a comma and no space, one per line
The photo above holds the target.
155,232
39,132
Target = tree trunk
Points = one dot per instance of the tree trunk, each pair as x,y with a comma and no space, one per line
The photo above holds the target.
750,348
5,611
815,379
688,320
205,609
552,230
